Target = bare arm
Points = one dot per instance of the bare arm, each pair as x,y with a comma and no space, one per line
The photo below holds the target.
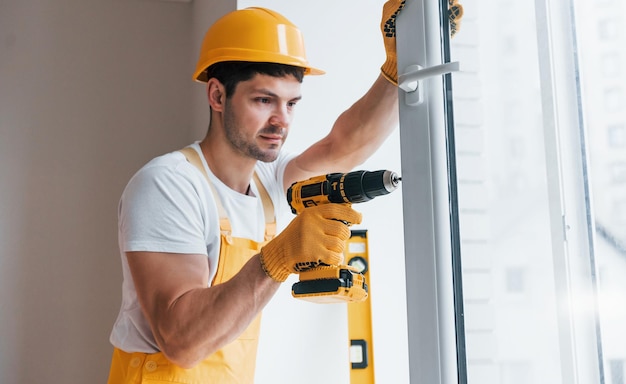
189,320
356,135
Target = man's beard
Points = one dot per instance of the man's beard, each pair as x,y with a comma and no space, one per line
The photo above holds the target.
250,149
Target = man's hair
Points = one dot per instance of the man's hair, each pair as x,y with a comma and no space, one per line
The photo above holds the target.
231,73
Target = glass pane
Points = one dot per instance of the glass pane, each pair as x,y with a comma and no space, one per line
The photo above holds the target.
602,43
511,324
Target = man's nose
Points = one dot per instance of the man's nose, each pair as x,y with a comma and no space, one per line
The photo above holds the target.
280,116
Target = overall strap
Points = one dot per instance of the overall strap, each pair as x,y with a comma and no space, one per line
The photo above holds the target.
193,158
268,209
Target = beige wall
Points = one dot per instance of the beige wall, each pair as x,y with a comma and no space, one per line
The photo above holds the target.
89,91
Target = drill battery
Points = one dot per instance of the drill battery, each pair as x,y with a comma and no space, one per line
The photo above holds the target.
331,284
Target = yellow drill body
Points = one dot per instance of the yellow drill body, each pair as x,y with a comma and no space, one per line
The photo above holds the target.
325,283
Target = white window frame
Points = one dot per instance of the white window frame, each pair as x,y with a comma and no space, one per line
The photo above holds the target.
571,213
430,299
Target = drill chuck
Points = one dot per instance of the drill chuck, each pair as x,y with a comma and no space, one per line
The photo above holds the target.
341,188
360,186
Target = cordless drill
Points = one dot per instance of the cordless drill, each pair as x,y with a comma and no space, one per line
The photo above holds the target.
328,283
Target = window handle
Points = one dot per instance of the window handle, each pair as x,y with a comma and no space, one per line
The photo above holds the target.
411,80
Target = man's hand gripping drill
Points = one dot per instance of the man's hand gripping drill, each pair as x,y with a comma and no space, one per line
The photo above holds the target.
314,246
315,237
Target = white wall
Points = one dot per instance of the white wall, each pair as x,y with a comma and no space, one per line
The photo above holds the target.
304,342
90,91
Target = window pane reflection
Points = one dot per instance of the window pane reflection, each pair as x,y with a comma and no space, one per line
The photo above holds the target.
604,79
509,298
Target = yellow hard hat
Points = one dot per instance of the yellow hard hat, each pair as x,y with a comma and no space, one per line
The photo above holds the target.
253,34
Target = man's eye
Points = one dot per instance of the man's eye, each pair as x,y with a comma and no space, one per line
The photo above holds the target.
263,100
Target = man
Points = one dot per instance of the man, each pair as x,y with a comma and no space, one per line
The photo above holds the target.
196,227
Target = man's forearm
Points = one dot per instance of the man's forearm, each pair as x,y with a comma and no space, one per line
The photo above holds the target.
356,135
362,128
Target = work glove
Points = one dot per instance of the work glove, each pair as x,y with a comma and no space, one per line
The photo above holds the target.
455,14
314,237
391,9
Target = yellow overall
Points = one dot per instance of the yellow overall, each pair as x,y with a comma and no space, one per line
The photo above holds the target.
235,362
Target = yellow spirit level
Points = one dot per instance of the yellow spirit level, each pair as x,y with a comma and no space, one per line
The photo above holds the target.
360,314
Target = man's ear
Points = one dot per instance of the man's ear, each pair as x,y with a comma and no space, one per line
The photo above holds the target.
216,94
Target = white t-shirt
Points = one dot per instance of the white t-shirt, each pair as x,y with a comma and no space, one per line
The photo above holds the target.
168,206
